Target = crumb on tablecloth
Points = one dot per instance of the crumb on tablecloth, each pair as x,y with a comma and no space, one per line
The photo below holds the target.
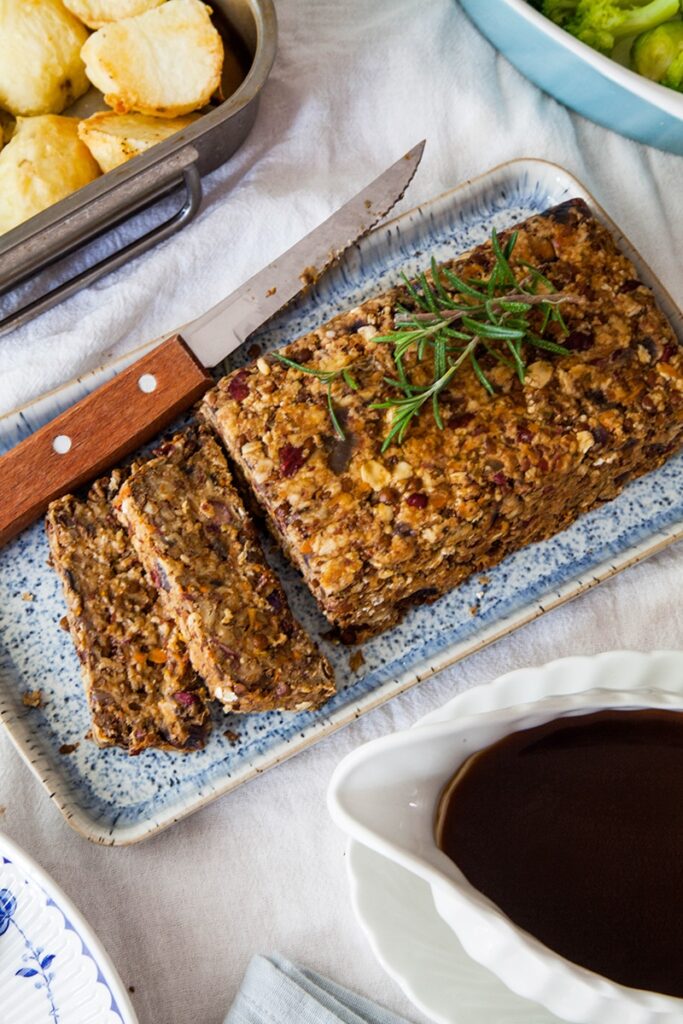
356,660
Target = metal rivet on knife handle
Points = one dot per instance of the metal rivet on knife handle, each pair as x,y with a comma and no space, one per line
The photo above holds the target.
94,434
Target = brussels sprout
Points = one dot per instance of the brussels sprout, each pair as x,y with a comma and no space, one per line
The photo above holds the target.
658,54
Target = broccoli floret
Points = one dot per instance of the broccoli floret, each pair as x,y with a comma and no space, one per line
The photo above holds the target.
601,23
658,54
559,11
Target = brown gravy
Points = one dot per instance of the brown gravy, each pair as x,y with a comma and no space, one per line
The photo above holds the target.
575,830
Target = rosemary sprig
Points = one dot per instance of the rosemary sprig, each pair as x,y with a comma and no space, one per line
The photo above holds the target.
326,377
458,320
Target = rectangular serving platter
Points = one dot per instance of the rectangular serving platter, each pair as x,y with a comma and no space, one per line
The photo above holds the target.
114,799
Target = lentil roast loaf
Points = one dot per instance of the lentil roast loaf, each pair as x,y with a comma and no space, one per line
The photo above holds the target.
372,532
198,544
141,689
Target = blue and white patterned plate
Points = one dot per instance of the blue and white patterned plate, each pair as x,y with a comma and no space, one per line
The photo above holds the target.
52,967
111,798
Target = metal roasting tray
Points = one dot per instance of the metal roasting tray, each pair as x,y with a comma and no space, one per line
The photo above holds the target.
70,224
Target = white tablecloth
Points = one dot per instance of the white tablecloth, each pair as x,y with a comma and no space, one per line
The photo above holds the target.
355,85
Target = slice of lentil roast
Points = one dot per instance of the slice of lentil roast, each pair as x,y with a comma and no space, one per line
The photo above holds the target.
141,688
374,532
197,541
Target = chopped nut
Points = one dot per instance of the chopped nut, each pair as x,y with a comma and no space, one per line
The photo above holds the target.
28,596
225,695
584,440
325,546
33,699
402,471
385,513
263,366
667,370
64,623
262,470
538,374
375,474
252,450
368,332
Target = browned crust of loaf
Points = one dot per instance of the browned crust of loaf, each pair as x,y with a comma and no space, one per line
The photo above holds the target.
141,689
374,533
198,543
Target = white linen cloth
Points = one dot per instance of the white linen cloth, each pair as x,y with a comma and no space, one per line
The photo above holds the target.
355,84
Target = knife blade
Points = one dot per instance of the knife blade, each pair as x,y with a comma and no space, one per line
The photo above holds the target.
146,396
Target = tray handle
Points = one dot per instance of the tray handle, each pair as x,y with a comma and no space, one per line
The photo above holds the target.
43,249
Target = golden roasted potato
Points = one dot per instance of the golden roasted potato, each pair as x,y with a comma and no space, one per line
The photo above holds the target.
164,63
114,138
41,70
44,161
96,13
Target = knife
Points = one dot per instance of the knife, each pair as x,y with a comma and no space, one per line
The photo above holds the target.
149,394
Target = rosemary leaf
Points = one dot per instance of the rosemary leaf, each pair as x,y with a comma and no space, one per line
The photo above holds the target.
481,376
333,416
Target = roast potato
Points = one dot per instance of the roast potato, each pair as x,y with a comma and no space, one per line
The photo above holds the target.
44,161
165,62
41,70
114,138
96,13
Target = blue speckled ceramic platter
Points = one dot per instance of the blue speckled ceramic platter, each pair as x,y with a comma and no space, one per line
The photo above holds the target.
52,967
111,798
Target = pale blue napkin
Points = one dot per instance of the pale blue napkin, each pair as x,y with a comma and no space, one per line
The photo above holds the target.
275,991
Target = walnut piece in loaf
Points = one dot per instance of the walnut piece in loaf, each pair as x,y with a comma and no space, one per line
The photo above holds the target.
199,546
372,532
141,689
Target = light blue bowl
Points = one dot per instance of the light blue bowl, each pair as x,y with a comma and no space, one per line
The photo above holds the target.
588,82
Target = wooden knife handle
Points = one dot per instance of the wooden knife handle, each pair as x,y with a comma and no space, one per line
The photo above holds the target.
95,433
